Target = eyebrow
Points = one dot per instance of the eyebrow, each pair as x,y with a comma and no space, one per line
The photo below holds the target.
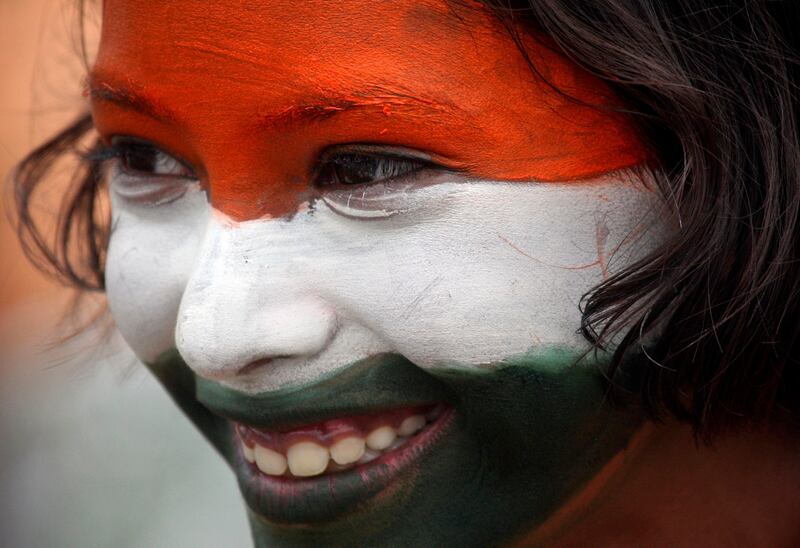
320,107
125,97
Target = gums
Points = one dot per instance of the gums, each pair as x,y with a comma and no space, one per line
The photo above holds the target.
327,432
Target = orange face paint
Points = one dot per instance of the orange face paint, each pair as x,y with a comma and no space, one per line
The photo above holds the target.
251,92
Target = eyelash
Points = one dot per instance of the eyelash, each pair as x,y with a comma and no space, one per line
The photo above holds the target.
335,170
125,151
349,169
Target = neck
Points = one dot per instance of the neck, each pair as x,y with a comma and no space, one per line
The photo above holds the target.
666,490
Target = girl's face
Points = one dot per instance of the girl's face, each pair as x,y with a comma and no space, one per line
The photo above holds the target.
351,237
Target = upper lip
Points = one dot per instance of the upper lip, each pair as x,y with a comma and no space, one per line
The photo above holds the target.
379,382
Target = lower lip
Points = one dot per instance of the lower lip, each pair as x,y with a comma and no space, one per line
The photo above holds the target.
282,499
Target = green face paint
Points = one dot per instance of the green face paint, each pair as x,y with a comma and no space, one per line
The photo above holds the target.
521,438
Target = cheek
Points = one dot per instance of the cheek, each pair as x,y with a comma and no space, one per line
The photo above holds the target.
483,272
150,257
496,270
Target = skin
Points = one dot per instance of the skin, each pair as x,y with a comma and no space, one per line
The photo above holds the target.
665,490
256,295
526,394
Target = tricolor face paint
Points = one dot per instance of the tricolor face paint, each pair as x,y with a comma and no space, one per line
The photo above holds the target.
351,238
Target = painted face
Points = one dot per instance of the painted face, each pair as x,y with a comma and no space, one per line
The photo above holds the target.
351,238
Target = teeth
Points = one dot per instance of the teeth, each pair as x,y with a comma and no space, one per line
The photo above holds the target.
307,459
249,454
368,456
411,425
381,438
399,442
347,450
269,461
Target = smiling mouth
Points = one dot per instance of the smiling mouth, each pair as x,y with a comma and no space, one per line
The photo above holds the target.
316,471
311,453
335,445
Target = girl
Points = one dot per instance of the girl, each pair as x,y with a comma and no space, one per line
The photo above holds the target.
456,273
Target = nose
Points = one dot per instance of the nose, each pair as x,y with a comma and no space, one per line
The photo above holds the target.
246,304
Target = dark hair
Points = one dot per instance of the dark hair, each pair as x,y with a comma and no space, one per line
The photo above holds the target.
712,87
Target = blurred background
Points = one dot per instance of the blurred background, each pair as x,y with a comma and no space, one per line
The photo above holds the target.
92,452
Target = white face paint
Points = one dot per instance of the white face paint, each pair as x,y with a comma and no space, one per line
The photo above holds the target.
448,272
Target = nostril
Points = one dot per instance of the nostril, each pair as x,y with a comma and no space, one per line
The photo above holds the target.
257,364
222,336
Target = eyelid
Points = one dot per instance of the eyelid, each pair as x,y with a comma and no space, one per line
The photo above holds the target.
118,141
384,200
149,191
141,188
389,151
392,152
389,197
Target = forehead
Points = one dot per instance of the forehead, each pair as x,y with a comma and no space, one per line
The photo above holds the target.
262,50
305,43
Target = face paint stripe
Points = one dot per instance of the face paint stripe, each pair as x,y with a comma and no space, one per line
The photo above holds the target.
255,110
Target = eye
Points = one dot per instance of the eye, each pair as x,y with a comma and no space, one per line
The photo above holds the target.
143,174
144,159
372,182
358,168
